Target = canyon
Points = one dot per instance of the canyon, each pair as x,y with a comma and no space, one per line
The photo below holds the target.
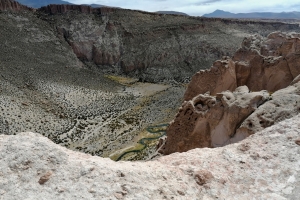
87,96
96,80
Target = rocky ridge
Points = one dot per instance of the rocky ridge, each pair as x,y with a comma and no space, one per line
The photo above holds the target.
221,104
263,166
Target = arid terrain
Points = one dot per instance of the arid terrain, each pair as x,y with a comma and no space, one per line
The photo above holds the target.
106,81
108,103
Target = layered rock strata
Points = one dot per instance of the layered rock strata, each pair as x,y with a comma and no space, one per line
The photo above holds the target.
150,46
263,166
221,106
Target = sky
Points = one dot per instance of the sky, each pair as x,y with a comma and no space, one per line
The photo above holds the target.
200,7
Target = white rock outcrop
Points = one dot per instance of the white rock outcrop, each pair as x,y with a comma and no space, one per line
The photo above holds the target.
265,165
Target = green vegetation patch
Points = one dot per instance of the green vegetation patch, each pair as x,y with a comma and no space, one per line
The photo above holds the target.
121,79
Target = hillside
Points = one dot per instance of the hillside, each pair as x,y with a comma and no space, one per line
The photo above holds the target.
171,12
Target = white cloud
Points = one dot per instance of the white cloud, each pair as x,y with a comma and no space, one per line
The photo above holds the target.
200,7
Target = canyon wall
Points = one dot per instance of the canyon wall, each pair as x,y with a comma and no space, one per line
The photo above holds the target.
150,46
256,88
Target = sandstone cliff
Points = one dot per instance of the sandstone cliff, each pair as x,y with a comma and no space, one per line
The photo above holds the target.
221,104
263,166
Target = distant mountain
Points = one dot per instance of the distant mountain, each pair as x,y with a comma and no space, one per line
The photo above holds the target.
40,3
94,5
257,15
172,12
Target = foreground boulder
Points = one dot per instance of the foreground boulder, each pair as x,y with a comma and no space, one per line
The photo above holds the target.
209,121
228,117
221,106
263,166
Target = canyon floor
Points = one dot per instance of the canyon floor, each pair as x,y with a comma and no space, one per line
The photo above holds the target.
100,121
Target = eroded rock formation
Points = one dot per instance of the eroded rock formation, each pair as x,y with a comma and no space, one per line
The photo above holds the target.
261,64
257,168
284,103
211,121
221,106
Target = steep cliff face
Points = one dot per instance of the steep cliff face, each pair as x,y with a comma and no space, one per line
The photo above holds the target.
152,47
222,105
55,9
11,5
